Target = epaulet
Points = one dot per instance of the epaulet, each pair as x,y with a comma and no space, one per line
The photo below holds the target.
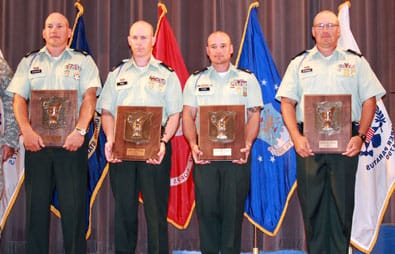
301,53
354,52
82,52
199,71
245,70
119,64
166,66
32,52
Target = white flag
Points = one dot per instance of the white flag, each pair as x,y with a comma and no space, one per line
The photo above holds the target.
376,167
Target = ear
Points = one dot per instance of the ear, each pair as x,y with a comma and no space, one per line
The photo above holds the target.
153,41
130,41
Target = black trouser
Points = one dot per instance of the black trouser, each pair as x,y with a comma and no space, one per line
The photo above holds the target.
66,171
326,185
128,178
220,191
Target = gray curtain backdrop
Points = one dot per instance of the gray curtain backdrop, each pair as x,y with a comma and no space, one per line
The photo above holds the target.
287,28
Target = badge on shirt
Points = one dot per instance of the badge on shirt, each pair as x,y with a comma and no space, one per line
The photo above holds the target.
204,89
306,69
35,70
72,70
122,82
346,69
156,82
239,86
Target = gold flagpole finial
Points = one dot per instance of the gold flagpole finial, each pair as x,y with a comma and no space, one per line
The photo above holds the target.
80,12
346,2
79,7
164,12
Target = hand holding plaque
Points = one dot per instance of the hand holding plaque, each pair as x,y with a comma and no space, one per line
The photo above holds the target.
221,132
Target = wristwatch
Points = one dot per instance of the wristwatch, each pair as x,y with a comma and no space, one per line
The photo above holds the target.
82,132
362,136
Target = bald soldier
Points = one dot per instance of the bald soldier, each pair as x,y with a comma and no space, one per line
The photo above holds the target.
221,187
326,181
64,168
141,81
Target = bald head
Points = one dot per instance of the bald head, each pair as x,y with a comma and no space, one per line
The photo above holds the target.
141,25
326,14
218,34
59,17
141,41
56,33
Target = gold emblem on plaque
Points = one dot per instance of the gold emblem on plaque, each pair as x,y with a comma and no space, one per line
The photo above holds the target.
221,127
327,116
138,127
53,113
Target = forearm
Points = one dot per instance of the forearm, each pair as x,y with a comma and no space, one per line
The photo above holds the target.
188,125
87,108
108,124
367,114
21,113
171,127
289,117
252,126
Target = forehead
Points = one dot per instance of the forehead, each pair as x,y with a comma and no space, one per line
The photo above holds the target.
218,38
141,29
325,17
56,18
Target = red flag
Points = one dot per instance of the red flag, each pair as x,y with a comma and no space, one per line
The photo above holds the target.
182,195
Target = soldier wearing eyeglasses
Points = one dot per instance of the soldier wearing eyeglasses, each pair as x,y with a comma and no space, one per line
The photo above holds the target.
326,181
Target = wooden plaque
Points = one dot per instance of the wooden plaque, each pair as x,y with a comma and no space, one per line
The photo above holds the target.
53,114
137,132
221,132
327,122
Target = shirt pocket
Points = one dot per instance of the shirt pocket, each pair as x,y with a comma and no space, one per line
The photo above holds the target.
308,82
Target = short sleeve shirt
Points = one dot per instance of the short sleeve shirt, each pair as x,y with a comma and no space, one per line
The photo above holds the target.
153,85
72,70
237,87
343,72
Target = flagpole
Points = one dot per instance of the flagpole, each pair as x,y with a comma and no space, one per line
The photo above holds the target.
164,12
252,5
255,249
80,12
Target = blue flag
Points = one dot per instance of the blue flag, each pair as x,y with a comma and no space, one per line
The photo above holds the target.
96,157
273,159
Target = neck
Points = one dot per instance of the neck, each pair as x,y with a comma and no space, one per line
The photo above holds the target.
141,61
56,51
326,51
221,67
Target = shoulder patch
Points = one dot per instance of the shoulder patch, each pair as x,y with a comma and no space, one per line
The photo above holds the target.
32,52
81,51
119,64
301,53
245,70
354,52
166,66
199,71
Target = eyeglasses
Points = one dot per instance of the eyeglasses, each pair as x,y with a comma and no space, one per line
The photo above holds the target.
329,26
